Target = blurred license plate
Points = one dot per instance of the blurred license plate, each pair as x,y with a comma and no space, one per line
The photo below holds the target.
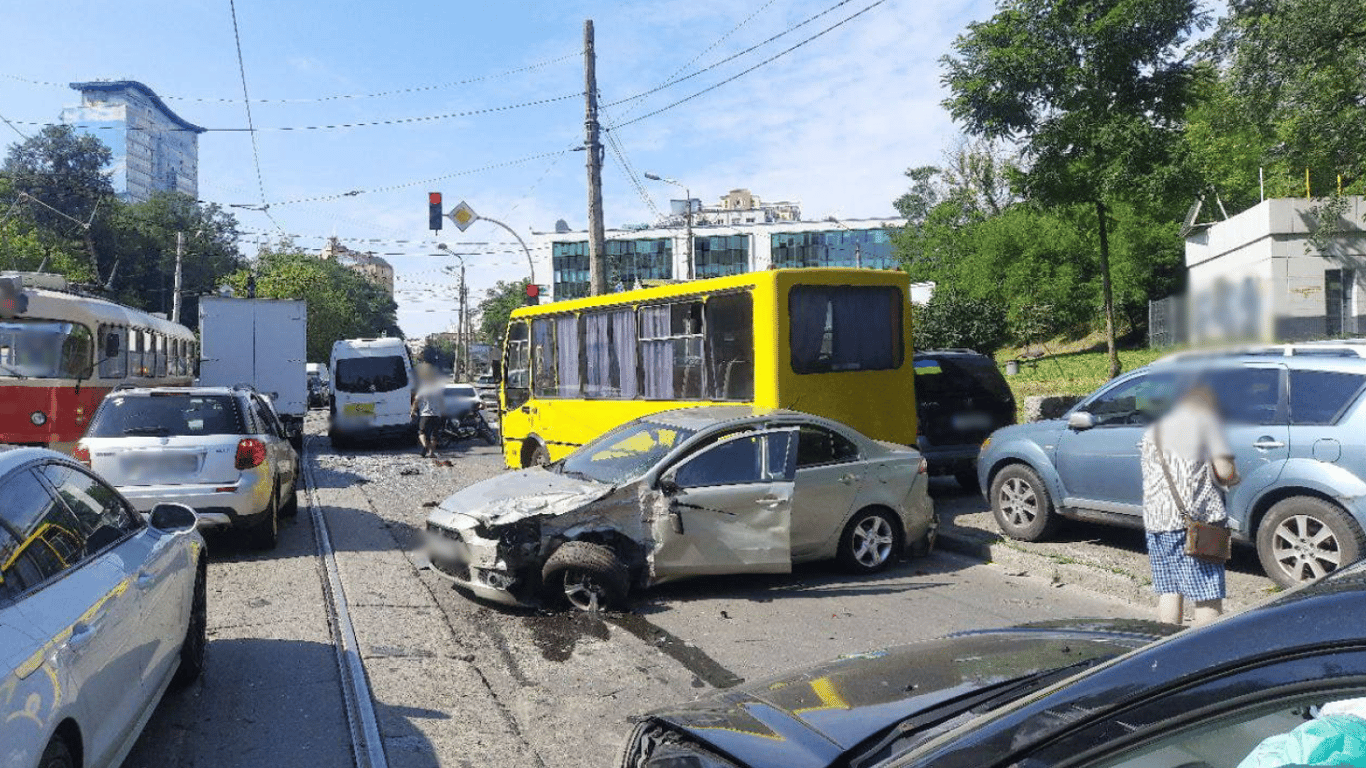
160,464
359,409
972,421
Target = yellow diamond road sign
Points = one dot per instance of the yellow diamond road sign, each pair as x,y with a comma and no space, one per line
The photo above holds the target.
463,216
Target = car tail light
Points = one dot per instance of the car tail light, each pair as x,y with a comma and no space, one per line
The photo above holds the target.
82,454
250,453
923,467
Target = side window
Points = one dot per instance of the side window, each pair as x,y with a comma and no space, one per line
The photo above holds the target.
251,421
1136,402
671,351
817,446
543,358
1321,397
736,461
517,364
10,585
113,352
567,340
53,538
730,347
103,516
609,341
845,328
267,416
1248,395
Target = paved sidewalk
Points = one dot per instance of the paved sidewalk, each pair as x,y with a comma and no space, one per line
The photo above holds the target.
1107,559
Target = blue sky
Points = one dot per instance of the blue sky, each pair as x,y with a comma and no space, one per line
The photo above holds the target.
832,124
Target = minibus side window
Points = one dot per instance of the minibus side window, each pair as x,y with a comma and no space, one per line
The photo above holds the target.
671,351
730,347
845,328
609,342
543,357
567,355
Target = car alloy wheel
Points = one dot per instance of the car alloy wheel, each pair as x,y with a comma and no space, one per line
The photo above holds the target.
873,541
583,591
1019,501
1304,538
1306,548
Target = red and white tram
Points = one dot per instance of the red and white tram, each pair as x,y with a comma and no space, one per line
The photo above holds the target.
62,352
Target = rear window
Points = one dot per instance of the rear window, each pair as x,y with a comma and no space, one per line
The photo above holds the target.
1321,397
962,376
167,415
460,391
845,328
370,374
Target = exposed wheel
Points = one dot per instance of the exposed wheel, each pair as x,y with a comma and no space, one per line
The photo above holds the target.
266,533
587,576
967,478
291,506
196,635
540,457
1304,538
1021,504
57,755
872,541
444,437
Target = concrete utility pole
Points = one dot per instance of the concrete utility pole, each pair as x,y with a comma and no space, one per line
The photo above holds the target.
175,295
597,271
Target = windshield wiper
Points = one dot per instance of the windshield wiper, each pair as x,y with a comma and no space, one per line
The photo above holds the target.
147,431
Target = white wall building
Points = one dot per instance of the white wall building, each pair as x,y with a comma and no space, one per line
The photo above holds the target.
1256,277
658,254
154,149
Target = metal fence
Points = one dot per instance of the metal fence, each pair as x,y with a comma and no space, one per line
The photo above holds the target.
1167,325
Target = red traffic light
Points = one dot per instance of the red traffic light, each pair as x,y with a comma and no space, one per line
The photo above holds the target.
533,290
434,213
433,198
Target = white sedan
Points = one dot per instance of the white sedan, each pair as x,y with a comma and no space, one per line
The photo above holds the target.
100,612
695,491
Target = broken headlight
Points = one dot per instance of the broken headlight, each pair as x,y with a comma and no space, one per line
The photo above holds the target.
653,746
686,756
520,534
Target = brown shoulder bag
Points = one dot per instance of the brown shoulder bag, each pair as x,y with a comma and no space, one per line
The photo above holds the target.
1207,542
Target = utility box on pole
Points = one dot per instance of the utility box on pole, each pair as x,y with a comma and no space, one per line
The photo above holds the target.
261,342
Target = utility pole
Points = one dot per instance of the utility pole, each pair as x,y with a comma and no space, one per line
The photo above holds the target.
692,268
597,271
175,295
464,351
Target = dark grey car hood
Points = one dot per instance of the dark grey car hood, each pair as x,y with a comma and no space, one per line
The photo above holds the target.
513,496
809,718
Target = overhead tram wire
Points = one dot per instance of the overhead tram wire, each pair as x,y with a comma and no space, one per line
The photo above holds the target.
746,71
246,102
340,97
630,171
14,128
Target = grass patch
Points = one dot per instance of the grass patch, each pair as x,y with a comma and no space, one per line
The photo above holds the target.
1079,370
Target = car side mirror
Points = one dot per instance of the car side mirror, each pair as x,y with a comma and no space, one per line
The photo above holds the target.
1081,421
173,518
668,485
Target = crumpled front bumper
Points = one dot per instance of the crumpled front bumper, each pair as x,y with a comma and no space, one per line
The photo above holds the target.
473,563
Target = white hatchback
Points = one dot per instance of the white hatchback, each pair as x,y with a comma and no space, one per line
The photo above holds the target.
100,612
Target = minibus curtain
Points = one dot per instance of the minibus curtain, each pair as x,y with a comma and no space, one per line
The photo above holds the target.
567,355
597,355
863,329
624,341
807,312
657,352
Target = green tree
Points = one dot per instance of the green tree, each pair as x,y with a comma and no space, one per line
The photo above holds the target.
440,353
952,319
63,171
497,305
342,304
1093,91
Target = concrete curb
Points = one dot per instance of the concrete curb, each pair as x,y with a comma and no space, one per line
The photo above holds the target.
1060,570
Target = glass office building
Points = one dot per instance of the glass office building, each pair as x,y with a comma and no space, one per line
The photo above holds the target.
869,248
720,255
627,262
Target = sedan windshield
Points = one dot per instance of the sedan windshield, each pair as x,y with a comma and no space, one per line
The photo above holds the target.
624,453
44,349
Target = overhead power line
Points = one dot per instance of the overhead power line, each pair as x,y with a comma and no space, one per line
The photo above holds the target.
14,128
744,72
342,96
246,102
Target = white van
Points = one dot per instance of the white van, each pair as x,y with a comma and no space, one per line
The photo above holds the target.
372,390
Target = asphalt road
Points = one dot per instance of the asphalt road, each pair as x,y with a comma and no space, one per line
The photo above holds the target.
457,682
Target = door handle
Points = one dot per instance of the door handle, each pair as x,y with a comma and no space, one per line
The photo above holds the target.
525,409
1267,443
849,479
145,579
81,634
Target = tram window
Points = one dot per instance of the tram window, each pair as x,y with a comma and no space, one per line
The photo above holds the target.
845,328
160,354
730,346
114,353
76,351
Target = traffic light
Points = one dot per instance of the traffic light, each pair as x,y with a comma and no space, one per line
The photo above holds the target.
12,299
533,294
434,213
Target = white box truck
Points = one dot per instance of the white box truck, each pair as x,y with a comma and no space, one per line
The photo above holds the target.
261,342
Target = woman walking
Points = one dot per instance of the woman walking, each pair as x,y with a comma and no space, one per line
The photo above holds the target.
1185,460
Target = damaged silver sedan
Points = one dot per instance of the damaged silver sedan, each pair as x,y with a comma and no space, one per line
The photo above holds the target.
691,492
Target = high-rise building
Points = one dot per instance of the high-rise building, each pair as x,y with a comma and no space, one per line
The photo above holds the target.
155,150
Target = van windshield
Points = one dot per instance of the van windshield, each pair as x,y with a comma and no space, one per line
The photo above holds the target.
370,374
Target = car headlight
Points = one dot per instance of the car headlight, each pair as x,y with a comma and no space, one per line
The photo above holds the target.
38,418
655,746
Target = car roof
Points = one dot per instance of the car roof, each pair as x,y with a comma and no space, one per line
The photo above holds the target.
703,417
13,457
949,352
145,391
1321,358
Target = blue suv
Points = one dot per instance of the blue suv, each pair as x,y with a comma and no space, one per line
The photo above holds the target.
1295,419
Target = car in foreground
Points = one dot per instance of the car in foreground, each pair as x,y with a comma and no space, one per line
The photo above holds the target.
221,451
1114,693
101,611
960,398
690,492
1294,416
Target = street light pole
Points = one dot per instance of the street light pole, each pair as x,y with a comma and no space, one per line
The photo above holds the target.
462,355
690,270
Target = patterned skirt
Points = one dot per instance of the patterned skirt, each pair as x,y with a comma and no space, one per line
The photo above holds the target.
1175,572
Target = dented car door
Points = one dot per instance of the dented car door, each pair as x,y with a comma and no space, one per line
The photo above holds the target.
727,508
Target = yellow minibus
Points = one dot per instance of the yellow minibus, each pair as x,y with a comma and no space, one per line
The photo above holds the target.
830,342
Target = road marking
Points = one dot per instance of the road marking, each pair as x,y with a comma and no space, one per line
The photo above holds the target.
366,745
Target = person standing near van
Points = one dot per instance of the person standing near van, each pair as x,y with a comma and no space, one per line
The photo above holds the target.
1185,459
427,408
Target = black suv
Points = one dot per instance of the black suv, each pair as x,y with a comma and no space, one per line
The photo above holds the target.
960,398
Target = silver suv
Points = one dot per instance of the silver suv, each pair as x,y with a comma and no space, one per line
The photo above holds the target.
1293,414
222,451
